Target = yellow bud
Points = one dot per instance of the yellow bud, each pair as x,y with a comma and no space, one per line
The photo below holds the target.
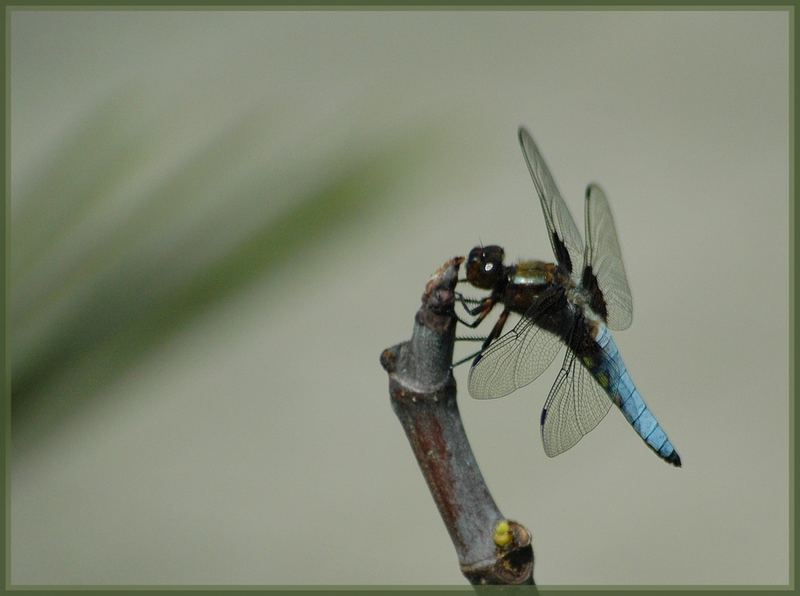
502,534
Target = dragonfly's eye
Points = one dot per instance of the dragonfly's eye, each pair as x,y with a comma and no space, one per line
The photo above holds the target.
485,266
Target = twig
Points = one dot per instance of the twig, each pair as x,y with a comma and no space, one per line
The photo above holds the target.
490,549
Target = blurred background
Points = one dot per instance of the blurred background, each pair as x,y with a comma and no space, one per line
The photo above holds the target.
220,219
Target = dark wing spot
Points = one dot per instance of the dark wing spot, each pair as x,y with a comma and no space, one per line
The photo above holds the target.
544,415
597,302
562,254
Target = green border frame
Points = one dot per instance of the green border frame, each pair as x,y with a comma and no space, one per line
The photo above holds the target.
790,6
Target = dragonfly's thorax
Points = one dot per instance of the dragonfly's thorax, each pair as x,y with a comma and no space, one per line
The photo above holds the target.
532,273
526,281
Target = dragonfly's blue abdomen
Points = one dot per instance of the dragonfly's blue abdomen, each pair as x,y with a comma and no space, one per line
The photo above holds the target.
615,379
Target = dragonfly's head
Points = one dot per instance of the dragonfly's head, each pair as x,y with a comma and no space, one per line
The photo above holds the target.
485,266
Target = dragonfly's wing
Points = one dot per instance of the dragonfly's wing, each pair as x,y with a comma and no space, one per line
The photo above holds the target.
519,356
604,276
564,235
576,404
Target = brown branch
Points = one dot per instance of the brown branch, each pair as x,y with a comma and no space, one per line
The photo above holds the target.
490,549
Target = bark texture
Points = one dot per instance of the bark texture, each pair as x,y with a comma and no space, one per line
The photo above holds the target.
490,549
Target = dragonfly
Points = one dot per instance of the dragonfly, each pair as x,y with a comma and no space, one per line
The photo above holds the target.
574,302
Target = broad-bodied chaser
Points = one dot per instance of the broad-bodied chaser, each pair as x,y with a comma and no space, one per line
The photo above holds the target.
572,302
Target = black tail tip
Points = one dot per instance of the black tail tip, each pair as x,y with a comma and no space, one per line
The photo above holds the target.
674,459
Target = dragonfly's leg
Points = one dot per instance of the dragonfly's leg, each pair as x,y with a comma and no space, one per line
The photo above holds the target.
471,338
495,333
497,329
481,303
465,359
464,300
480,312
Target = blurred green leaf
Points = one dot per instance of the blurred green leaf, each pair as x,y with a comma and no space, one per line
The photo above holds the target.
152,272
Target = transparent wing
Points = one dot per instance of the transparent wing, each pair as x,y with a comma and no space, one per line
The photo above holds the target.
564,235
517,357
611,295
576,404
